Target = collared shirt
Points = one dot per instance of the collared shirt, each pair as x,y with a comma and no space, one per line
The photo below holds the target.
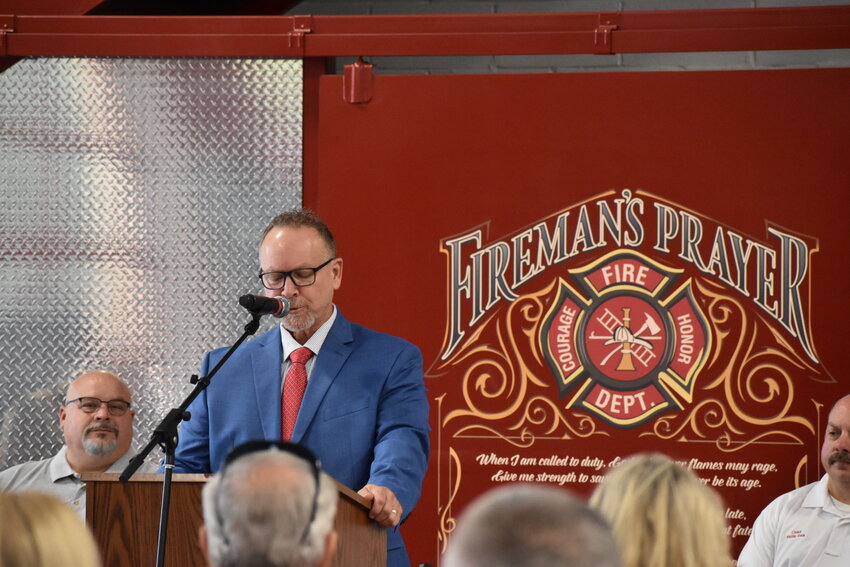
55,476
801,527
314,343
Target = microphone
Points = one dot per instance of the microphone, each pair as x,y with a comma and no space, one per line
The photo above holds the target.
261,305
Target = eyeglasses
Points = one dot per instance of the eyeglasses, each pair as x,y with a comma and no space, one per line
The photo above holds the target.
299,451
91,405
302,277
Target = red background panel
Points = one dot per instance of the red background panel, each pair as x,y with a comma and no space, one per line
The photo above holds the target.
431,157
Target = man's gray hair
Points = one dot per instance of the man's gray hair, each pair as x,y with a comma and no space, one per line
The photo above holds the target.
257,512
531,526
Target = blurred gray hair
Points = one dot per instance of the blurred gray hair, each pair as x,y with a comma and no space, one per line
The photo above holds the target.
257,512
531,526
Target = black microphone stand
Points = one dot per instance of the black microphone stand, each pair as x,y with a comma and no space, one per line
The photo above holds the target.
165,435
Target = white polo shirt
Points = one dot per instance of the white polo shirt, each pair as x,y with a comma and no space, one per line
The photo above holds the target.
800,528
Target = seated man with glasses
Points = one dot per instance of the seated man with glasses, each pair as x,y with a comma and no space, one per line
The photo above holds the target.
354,396
97,422
272,505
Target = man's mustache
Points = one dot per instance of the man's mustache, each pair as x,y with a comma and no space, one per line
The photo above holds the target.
101,427
842,456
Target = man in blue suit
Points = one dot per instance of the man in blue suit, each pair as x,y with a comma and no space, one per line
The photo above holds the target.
364,411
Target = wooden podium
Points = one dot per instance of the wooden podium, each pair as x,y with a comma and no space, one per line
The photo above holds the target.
125,520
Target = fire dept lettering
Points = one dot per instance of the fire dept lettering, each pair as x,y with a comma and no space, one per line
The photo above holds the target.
635,343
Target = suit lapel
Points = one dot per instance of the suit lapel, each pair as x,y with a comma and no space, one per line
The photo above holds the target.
335,351
265,366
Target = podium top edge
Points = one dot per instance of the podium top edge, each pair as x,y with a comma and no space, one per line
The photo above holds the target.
202,478
143,477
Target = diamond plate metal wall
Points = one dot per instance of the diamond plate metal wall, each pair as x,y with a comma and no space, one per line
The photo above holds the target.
132,196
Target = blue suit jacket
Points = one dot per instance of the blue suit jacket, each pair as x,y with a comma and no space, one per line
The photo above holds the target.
364,413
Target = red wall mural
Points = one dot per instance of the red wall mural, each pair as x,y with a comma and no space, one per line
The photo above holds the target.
601,264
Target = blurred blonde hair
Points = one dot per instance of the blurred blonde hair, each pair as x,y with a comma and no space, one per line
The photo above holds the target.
38,530
662,515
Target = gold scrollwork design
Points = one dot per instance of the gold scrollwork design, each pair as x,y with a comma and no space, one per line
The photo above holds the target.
501,390
751,386
746,389
448,523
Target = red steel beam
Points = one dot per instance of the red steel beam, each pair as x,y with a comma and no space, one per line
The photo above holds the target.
822,27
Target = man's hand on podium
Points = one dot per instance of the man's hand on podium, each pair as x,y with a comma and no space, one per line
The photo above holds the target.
386,509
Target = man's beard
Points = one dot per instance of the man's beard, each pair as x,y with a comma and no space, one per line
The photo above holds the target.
299,322
99,447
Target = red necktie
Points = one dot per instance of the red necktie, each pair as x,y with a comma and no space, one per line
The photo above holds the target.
293,390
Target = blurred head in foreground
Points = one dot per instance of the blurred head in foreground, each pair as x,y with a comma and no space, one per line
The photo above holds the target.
531,526
38,530
269,508
663,515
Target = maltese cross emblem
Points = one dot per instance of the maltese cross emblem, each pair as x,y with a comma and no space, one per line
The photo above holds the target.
624,340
